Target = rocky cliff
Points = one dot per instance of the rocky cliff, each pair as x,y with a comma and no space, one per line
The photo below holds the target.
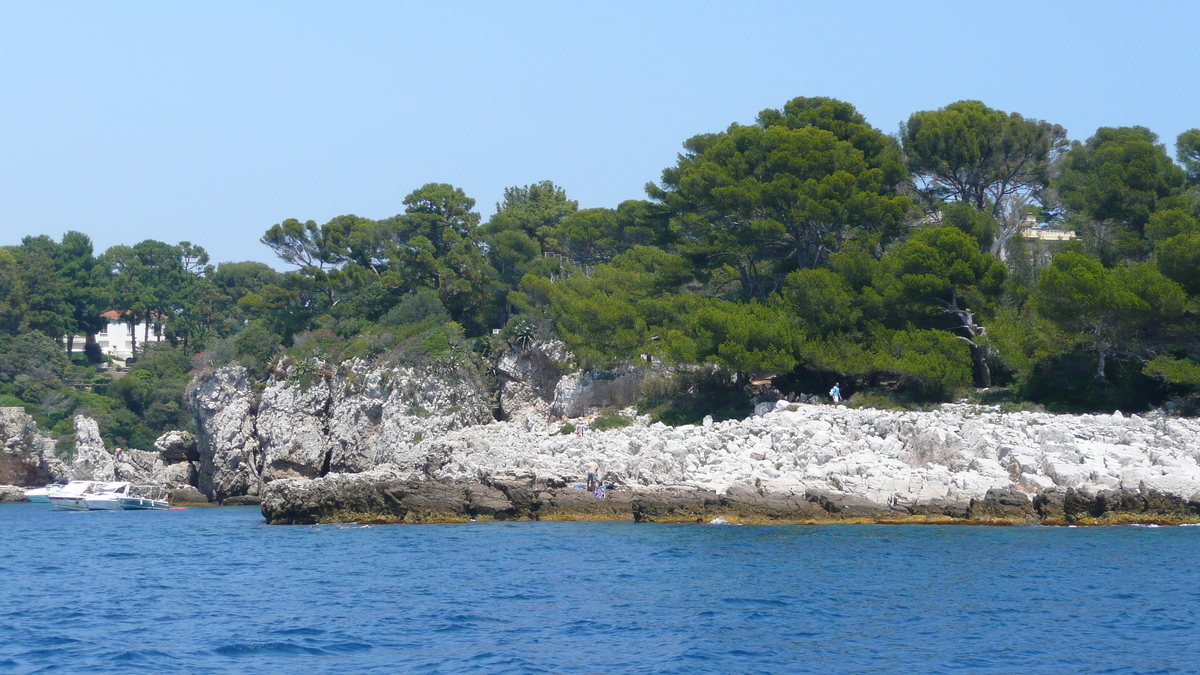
348,418
798,463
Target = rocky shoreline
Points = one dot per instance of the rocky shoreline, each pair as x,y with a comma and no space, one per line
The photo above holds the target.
378,442
791,464
382,500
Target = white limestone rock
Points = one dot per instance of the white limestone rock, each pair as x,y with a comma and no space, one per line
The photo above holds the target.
26,455
91,461
222,402
291,428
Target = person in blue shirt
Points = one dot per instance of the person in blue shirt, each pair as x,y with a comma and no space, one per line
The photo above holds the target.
836,394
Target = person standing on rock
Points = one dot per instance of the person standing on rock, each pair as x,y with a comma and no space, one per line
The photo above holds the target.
836,394
593,476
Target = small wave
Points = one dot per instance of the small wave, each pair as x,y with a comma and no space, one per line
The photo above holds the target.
141,656
721,521
753,602
473,618
299,631
347,647
252,648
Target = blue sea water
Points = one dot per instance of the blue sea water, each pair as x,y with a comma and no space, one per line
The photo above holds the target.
214,590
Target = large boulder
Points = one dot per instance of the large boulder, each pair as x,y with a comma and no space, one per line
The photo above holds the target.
314,418
177,446
12,493
26,455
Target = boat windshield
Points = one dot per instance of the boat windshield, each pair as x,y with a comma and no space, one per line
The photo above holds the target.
113,488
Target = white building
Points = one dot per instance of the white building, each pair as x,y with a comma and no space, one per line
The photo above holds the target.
115,340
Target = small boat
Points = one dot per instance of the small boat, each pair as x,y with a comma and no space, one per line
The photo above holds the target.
107,497
73,495
141,498
42,495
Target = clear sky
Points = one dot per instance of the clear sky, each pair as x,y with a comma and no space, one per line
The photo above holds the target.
209,122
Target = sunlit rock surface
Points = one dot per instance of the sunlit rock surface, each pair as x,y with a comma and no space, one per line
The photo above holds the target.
799,462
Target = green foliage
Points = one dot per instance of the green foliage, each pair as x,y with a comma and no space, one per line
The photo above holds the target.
978,224
1168,223
417,308
255,347
1178,258
935,364
534,209
1176,371
823,300
32,355
1120,310
1066,382
687,397
977,155
777,249
1118,178
610,421
876,400
782,194
1187,150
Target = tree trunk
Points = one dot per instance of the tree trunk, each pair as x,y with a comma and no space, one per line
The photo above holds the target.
1100,363
70,343
983,374
133,337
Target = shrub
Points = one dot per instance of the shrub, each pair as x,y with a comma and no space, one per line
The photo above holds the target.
606,422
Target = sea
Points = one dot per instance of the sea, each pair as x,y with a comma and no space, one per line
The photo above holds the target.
215,590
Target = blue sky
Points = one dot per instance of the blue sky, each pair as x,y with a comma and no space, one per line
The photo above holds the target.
212,121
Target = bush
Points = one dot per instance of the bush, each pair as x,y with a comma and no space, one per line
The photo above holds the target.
1068,383
420,307
876,400
255,347
687,397
614,421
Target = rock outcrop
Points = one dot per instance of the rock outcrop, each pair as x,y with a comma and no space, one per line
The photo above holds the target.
12,493
797,463
26,456
177,446
91,460
222,403
582,393
349,418
527,377
173,477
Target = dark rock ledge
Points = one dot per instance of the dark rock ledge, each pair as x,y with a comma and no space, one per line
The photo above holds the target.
370,499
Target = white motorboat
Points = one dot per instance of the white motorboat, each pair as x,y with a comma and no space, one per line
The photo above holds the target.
73,495
141,498
42,495
107,497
